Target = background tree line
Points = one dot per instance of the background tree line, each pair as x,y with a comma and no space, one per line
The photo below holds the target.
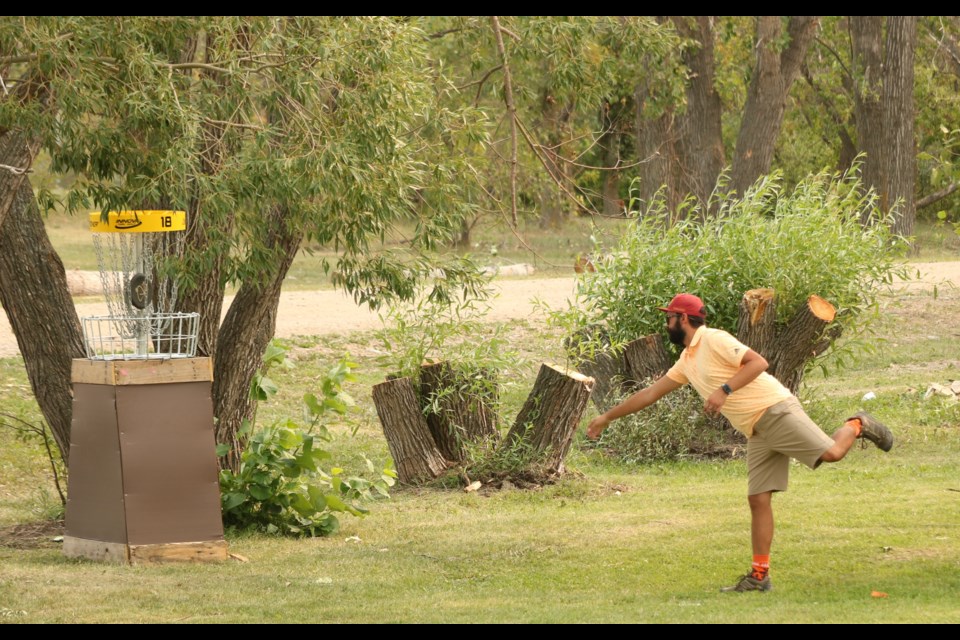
271,132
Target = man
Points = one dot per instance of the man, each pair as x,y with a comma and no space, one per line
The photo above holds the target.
733,381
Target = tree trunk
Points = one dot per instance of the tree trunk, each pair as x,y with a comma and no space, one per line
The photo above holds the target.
900,160
610,144
884,80
555,206
18,152
797,341
756,327
773,75
646,358
34,294
701,136
200,250
550,416
460,416
206,297
866,34
247,329
413,450
657,153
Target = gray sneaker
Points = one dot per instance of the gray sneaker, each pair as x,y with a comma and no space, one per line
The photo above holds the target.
748,583
874,431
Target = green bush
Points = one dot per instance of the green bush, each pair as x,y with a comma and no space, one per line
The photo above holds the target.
674,428
806,241
281,486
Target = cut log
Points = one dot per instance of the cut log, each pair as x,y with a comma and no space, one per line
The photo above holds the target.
550,416
589,348
757,325
414,452
645,358
459,412
799,341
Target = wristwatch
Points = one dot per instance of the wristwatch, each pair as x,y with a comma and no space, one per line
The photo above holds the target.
726,388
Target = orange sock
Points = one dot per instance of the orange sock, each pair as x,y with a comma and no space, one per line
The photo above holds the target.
855,424
761,566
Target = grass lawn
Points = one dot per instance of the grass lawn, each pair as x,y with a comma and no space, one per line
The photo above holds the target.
610,543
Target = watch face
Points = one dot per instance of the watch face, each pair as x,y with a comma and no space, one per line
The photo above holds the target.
141,291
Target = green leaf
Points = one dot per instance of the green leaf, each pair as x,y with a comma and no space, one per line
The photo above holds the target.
223,449
317,498
334,503
260,492
233,500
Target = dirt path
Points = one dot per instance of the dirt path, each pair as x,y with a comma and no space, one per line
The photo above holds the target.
332,312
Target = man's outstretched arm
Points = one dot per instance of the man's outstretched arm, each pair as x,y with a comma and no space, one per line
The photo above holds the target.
640,400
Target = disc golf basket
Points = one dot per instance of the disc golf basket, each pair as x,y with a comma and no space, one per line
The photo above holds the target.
140,297
143,482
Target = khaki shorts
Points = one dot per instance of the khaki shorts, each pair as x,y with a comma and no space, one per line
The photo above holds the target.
783,432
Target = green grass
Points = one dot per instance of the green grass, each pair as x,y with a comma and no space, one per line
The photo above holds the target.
610,543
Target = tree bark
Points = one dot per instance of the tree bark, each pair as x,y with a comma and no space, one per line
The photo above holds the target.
247,329
555,205
34,294
899,115
414,452
700,147
646,358
773,76
866,33
17,152
460,416
656,140
550,416
609,142
606,369
884,79
798,341
206,298
756,327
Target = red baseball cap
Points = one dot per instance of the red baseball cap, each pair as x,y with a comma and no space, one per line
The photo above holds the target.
686,303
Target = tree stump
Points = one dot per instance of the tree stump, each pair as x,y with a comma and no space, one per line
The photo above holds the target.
551,414
414,452
798,341
757,324
605,368
646,357
458,414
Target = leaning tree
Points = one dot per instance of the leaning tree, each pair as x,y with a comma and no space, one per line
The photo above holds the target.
269,132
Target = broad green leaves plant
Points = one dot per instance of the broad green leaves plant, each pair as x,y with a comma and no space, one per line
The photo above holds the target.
282,485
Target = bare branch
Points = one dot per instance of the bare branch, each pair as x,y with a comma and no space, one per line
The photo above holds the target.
926,201
17,171
195,65
42,432
515,37
513,228
480,82
445,32
836,56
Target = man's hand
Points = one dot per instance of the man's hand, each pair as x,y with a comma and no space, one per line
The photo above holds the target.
596,426
714,402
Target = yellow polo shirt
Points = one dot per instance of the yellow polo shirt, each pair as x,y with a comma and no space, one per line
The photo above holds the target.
712,358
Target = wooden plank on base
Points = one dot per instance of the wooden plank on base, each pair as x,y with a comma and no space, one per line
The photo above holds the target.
124,372
211,551
96,550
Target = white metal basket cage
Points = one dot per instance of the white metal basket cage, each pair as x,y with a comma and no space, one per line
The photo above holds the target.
159,336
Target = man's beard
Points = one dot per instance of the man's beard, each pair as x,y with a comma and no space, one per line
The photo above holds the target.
676,334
